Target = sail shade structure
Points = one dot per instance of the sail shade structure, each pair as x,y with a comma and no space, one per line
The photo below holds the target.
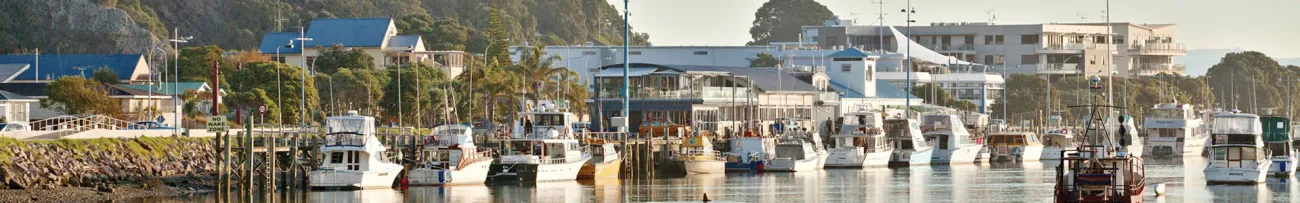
922,53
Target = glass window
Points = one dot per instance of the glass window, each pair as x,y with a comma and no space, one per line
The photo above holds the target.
1220,154
1028,59
1028,39
336,157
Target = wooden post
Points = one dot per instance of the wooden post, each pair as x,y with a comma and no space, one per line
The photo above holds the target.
248,162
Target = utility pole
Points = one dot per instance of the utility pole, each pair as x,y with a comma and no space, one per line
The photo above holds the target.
626,67
909,11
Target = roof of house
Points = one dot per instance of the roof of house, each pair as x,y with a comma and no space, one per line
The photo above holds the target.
403,41
166,88
351,32
54,66
849,53
38,90
10,96
10,71
273,42
765,79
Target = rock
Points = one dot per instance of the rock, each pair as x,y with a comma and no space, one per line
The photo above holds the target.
105,188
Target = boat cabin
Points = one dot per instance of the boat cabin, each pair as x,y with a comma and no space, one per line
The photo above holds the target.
350,143
1277,135
545,122
794,148
541,151
945,131
1171,120
1236,140
1059,138
451,146
601,151
905,134
862,130
1013,139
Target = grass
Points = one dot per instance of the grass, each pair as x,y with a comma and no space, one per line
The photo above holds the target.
155,147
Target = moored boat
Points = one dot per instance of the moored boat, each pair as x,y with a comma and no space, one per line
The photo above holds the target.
1237,153
353,156
605,161
1277,137
796,153
952,143
698,157
1174,130
910,146
748,153
1014,146
1098,169
541,148
1055,142
861,142
450,157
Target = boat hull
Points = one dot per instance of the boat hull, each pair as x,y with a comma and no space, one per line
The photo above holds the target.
1169,147
1237,175
856,159
536,172
1283,166
1052,153
1025,153
963,155
752,166
795,165
474,173
352,180
704,167
600,170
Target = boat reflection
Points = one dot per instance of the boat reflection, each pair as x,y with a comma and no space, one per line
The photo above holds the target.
360,196
604,189
450,194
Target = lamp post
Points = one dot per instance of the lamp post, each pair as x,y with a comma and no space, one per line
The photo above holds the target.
313,68
302,106
279,95
909,11
176,96
626,66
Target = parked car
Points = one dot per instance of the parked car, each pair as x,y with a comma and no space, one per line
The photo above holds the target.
662,127
14,127
148,125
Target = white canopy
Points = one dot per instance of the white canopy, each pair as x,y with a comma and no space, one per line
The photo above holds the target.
922,53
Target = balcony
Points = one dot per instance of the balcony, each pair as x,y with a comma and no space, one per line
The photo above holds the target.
1150,69
1158,48
1072,48
951,47
723,94
1059,68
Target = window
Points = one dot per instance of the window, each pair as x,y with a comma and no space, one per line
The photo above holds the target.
1028,39
634,53
969,39
846,67
988,39
1028,59
993,59
946,40
336,157
588,53
1099,39
998,39
871,75
701,53
1119,39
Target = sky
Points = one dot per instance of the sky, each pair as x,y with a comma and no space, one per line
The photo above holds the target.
1258,25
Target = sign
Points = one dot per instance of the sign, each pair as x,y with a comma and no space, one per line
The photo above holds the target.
217,124
161,119
261,109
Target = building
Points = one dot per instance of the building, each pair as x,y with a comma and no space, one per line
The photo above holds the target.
166,89
1068,49
136,105
130,68
15,107
377,37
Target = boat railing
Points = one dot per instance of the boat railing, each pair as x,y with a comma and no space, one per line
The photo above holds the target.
345,140
702,157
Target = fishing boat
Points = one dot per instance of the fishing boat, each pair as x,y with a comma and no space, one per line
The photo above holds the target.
910,146
1237,153
1130,139
542,147
952,143
1277,137
450,157
1098,170
860,142
1014,146
353,156
748,153
797,152
605,161
698,157
1173,130
1055,142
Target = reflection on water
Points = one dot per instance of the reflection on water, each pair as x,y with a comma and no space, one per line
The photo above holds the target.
981,182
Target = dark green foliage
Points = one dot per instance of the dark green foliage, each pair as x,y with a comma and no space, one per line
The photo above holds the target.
438,34
781,20
1251,82
942,98
764,60
106,76
262,75
76,96
337,57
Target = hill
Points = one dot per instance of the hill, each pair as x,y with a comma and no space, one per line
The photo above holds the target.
1200,60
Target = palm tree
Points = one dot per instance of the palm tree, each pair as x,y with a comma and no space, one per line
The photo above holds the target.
538,73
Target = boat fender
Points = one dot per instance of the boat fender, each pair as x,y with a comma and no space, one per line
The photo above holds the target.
1159,189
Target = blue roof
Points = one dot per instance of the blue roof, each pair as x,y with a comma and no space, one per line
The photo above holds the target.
849,53
274,40
351,32
10,96
404,41
883,90
764,79
54,66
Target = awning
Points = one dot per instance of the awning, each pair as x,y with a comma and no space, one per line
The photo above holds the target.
920,52
618,71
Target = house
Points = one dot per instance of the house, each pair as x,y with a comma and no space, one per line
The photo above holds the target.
15,107
166,88
377,37
136,104
130,68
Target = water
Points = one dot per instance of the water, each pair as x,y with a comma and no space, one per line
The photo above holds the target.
982,182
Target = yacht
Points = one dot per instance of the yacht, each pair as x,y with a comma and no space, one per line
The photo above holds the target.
952,143
450,157
1014,146
861,142
353,156
1055,142
797,152
698,157
541,148
1277,137
1174,130
748,153
1237,153
910,146
605,161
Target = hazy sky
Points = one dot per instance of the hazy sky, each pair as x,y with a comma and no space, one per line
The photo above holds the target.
1269,26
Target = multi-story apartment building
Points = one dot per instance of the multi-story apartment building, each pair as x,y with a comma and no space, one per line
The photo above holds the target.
1071,49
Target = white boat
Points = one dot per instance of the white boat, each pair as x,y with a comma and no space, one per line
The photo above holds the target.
542,147
450,157
861,142
698,157
910,146
749,153
353,156
1055,142
1277,137
1237,153
1174,130
796,153
952,143
1014,146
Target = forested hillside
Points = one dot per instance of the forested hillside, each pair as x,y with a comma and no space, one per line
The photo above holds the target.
124,26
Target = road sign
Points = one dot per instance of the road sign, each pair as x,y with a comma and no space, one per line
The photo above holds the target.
217,124
261,109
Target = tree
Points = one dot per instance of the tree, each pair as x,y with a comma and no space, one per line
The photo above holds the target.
106,76
338,57
196,64
782,20
417,103
76,95
262,75
1027,95
941,98
764,60
360,89
438,34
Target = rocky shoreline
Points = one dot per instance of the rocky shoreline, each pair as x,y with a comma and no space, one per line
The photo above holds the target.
167,187
105,169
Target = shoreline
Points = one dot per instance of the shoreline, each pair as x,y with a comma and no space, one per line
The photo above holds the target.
121,191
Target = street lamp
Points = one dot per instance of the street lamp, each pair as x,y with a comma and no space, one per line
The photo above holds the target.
279,95
302,108
176,96
909,11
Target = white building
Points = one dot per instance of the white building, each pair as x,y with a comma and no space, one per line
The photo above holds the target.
377,37
1078,48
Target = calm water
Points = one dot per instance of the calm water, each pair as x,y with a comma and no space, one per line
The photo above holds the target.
982,182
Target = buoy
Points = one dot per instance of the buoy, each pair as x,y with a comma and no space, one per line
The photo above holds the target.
1159,189
706,197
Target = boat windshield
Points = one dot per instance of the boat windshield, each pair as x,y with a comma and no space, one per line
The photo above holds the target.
548,120
1236,125
1167,113
451,131
936,121
357,126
